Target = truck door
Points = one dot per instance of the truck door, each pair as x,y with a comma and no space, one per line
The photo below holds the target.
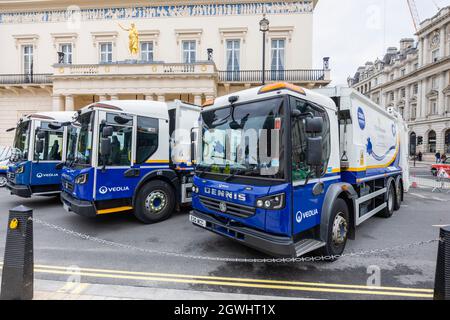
43,169
115,178
307,206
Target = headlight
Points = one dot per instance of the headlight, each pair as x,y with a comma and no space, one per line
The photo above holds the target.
20,170
195,189
81,179
274,202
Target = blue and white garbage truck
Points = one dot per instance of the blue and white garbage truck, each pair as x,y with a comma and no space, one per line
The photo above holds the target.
288,171
40,145
131,155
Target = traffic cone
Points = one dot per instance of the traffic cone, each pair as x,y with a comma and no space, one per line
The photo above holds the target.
414,183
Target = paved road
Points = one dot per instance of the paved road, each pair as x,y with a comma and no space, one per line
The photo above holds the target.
410,271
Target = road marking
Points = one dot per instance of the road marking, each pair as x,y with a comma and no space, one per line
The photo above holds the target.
73,288
418,195
240,282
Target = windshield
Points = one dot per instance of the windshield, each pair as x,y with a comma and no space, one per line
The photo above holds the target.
80,140
244,140
21,141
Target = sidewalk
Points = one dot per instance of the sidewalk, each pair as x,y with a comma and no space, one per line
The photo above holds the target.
57,290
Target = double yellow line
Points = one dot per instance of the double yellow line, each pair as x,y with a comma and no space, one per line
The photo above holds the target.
240,282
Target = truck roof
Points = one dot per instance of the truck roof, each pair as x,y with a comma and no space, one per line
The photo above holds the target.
254,93
52,116
147,108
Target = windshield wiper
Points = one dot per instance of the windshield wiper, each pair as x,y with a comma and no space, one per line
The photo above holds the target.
236,172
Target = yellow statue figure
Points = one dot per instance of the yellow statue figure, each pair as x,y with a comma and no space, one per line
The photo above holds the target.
133,37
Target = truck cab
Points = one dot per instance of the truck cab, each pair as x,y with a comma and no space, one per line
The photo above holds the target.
40,144
273,169
130,156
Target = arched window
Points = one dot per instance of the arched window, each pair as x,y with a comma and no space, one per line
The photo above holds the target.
447,141
432,141
412,143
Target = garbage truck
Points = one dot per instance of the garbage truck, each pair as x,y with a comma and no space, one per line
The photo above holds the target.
40,145
131,156
289,171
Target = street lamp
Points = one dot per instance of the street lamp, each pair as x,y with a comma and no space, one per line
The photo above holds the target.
264,27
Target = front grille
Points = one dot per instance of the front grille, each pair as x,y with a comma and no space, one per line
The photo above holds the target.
11,176
67,185
232,208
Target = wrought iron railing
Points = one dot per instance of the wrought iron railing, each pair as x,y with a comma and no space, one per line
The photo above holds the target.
251,76
37,78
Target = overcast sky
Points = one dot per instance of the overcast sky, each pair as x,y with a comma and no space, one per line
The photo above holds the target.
352,32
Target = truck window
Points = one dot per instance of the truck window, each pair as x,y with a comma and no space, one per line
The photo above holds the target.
299,168
120,142
53,144
147,138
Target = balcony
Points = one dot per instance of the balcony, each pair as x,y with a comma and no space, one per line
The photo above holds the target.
302,76
24,79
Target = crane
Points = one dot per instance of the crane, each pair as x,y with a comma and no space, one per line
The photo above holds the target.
414,13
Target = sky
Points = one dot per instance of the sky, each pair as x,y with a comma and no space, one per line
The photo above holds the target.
352,32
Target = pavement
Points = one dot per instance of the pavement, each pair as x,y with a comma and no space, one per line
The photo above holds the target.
104,271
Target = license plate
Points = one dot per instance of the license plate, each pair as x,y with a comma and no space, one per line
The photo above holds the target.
66,207
198,221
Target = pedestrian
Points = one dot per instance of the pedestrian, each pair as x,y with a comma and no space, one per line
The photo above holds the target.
443,158
438,157
420,156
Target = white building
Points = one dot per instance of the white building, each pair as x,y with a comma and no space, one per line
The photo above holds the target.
415,79
173,60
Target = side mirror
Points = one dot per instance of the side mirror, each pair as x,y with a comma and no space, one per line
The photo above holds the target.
40,135
314,125
193,144
107,132
39,146
105,147
314,151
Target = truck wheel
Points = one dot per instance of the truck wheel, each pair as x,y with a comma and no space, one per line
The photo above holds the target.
338,227
390,201
398,195
3,180
155,202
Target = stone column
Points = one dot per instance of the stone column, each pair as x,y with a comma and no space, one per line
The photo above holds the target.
407,110
57,102
425,51
161,98
442,44
441,96
70,105
149,97
420,52
198,99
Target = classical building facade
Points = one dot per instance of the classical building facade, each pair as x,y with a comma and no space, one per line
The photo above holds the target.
415,80
56,56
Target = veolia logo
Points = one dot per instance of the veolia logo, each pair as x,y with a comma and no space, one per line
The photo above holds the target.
104,190
46,175
361,119
305,215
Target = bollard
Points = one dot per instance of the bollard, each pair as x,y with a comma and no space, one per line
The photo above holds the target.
442,279
18,265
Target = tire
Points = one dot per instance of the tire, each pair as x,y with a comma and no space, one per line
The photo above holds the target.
398,195
390,202
3,180
155,202
338,227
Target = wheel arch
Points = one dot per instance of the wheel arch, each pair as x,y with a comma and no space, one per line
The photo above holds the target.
168,176
343,191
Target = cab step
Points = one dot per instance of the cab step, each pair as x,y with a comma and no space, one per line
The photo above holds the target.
307,245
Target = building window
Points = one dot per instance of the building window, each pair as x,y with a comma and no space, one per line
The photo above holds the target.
66,49
106,52
432,141
27,54
416,88
392,77
189,51
403,72
147,51
435,55
434,83
278,59
375,82
433,107
413,111
233,59
391,96
403,92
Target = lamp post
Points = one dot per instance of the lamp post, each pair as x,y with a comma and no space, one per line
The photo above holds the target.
264,27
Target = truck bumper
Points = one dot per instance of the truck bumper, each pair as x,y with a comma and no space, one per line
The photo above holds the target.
19,190
80,207
277,246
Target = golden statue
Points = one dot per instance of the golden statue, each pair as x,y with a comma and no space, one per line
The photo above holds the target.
133,38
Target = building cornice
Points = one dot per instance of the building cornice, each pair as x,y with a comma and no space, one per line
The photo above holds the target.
434,21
